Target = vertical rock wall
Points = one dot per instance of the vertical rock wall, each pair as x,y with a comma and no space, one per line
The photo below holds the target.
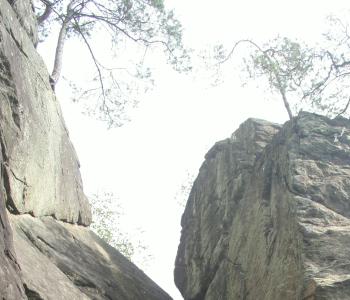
11,287
37,151
273,225
47,252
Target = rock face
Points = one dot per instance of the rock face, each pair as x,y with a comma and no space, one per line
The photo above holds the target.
79,263
10,277
38,155
46,250
269,215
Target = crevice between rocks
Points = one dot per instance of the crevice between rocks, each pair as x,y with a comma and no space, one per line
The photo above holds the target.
10,204
19,179
31,295
18,44
6,171
10,90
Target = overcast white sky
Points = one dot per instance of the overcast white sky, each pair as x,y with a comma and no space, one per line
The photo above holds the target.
144,162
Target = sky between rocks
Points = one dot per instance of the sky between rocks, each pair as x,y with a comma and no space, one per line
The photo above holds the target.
145,162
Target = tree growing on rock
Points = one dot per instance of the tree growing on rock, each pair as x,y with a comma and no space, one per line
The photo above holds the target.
146,23
304,77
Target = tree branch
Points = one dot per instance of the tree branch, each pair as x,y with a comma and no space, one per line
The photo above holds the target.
94,60
46,14
345,108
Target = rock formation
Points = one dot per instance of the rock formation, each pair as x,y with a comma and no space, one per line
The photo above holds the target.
269,215
46,248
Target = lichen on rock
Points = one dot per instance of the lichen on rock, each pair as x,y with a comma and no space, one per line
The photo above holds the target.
268,216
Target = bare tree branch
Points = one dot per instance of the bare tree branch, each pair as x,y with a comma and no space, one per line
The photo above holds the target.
46,14
94,60
345,108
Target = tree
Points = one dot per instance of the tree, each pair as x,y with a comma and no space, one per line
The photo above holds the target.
144,22
314,78
107,215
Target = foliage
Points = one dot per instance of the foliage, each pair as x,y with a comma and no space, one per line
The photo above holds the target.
145,23
313,78
107,225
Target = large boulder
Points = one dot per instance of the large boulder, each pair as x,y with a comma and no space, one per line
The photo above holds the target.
268,215
65,261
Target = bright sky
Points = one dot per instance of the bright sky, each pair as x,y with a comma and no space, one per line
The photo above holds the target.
144,162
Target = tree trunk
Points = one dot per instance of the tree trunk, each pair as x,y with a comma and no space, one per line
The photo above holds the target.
283,93
286,105
57,67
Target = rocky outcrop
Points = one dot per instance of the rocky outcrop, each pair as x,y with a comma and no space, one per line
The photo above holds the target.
11,287
46,249
268,215
25,15
79,263
41,168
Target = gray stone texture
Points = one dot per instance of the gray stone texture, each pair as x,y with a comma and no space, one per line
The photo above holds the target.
66,261
47,252
40,166
11,287
268,215
25,15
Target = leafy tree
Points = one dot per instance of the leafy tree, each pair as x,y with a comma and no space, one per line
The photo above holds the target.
146,23
314,78
106,224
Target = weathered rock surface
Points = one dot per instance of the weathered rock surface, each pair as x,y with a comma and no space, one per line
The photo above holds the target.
76,264
41,167
46,250
268,215
11,287
26,17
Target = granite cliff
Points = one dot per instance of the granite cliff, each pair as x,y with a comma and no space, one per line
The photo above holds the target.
269,215
46,249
